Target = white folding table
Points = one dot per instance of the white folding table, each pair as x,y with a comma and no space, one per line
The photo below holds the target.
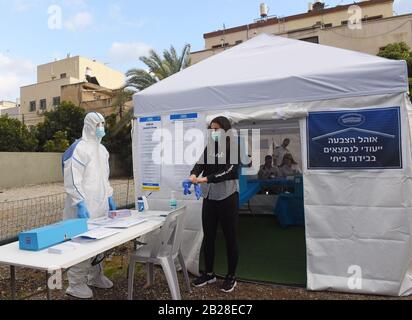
12,256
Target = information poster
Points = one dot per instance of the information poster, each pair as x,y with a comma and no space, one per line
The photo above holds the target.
150,171
364,139
179,125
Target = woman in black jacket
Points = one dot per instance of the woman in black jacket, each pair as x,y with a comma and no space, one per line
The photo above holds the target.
220,188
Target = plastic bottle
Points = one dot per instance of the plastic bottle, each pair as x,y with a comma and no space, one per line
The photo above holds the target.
140,204
173,201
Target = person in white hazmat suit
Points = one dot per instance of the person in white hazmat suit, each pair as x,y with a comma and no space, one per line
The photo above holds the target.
89,196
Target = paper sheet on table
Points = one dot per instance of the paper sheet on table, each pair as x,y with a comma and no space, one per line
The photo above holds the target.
122,223
150,215
63,247
95,234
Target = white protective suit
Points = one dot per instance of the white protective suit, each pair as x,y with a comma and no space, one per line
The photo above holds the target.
86,178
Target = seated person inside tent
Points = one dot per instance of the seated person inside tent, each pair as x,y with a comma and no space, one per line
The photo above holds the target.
289,168
266,172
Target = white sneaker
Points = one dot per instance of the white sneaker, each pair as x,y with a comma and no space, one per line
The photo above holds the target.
101,282
81,291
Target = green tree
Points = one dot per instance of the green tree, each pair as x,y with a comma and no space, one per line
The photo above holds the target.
123,96
66,118
398,51
410,86
15,137
60,143
119,142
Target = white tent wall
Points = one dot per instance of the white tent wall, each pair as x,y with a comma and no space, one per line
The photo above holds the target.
353,218
160,200
359,223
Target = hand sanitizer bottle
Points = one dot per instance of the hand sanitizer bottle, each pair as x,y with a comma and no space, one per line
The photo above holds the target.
140,204
173,201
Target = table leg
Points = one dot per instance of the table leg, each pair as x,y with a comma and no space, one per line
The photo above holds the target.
13,282
47,285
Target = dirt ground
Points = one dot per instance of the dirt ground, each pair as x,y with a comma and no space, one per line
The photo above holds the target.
31,285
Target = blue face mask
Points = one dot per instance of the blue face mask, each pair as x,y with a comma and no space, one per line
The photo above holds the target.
100,132
216,135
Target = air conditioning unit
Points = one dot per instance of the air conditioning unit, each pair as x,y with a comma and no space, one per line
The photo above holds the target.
41,112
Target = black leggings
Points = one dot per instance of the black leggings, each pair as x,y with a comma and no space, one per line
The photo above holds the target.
226,212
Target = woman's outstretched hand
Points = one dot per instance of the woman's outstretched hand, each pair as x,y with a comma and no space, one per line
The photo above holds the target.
193,179
201,180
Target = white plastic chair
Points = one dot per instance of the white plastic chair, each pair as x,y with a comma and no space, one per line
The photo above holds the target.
163,248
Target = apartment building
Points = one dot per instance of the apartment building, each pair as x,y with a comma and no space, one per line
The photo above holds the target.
364,26
46,93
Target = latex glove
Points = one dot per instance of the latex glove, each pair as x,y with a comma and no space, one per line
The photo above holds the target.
112,204
198,191
187,184
82,212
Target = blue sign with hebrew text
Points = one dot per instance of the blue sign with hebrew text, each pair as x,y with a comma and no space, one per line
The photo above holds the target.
364,139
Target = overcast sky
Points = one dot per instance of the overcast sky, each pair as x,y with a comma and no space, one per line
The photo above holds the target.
117,32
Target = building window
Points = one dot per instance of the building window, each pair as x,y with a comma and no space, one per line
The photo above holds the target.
345,23
32,106
238,42
43,104
220,46
63,75
311,39
327,25
56,101
366,18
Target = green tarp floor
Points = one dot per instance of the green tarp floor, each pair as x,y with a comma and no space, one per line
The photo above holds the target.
268,253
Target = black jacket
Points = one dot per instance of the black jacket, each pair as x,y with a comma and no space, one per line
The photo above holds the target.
214,171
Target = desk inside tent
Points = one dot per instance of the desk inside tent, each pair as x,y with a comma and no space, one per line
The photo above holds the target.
289,207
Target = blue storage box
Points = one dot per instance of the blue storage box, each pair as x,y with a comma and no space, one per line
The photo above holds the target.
45,237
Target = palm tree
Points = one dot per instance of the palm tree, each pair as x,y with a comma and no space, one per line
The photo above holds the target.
157,69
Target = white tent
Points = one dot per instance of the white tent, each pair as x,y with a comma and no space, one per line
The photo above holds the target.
358,214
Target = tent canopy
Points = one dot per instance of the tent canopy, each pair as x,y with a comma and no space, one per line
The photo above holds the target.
270,70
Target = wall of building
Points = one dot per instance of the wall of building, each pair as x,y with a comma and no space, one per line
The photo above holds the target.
11,112
103,106
45,90
71,93
75,67
335,18
369,39
22,169
7,105
50,84
107,77
53,70
89,97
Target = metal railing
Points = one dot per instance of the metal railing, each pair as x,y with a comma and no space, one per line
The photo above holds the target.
22,215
